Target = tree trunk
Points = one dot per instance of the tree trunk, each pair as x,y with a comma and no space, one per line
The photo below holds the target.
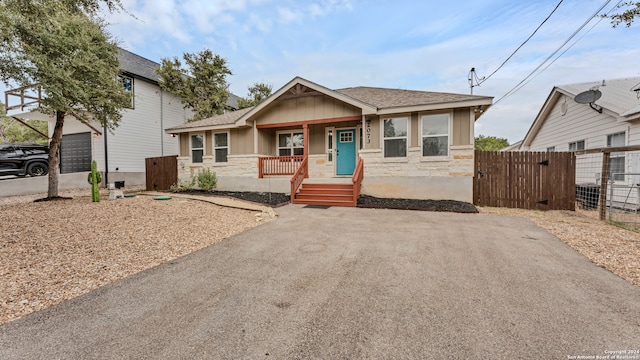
54,157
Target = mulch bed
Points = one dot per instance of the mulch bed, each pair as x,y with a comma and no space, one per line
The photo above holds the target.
365,201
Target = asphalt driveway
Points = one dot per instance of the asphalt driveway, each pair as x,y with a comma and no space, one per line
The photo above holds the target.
352,283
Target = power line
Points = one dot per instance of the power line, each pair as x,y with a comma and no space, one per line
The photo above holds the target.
521,45
518,87
567,49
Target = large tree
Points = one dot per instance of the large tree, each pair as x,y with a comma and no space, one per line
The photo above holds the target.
201,82
630,12
60,46
490,143
257,94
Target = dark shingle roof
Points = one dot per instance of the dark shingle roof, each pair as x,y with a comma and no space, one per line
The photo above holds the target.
389,98
224,119
137,65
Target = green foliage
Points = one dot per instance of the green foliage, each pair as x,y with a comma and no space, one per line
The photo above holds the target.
63,47
490,143
207,179
201,83
257,94
627,16
183,185
13,132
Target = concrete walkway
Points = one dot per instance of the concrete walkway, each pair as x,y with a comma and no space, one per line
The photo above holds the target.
350,283
218,200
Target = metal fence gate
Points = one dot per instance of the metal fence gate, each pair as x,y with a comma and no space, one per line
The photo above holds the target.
525,180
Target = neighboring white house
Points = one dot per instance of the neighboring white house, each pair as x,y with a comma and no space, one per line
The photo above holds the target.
121,154
612,120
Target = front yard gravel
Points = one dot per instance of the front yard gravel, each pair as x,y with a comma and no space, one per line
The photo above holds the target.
56,250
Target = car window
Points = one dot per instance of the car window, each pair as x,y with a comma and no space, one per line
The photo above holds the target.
5,152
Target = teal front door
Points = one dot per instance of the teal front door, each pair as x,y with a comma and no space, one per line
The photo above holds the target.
346,152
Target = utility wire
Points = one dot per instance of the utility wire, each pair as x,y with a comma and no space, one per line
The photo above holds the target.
517,87
567,49
480,81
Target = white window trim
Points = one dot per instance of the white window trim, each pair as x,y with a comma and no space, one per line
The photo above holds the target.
584,144
228,147
333,144
449,135
551,148
407,138
618,155
133,88
294,131
191,148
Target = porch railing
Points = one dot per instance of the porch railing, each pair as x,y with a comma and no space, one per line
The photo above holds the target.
278,165
298,178
358,175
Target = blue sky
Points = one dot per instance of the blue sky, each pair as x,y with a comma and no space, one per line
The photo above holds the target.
421,45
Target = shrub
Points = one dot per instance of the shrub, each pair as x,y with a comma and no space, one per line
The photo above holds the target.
183,185
207,179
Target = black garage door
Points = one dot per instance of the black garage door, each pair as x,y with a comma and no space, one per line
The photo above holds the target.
75,153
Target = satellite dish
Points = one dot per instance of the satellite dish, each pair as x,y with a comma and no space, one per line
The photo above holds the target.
589,97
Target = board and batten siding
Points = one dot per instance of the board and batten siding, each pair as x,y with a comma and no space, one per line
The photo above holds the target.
580,122
307,108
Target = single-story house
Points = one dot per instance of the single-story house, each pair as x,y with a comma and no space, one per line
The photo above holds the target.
407,143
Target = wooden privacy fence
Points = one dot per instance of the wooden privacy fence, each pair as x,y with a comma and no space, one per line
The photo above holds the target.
161,172
525,180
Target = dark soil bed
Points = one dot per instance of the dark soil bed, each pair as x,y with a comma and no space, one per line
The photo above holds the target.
412,204
276,199
271,199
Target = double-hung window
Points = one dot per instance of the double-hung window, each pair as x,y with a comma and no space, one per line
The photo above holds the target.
221,146
617,159
290,143
395,137
576,145
435,135
197,148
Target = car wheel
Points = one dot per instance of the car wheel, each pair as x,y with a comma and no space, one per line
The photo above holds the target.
37,169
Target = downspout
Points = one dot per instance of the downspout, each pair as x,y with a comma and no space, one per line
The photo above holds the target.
106,159
161,125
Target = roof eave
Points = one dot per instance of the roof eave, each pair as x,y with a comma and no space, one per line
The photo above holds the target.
438,106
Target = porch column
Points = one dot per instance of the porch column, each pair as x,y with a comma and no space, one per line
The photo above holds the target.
305,137
364,131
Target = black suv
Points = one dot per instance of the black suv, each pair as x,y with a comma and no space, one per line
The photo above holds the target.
21,160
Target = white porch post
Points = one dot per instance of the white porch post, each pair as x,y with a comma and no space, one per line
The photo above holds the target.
255,138
364,132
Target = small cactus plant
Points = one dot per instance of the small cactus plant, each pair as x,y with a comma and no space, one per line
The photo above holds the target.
94,179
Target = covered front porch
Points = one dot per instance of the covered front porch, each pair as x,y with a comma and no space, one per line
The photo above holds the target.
321,157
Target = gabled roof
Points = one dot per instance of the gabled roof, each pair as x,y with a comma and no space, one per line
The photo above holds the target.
371,100
618,100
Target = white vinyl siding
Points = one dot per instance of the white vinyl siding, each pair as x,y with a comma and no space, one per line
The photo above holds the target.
580,122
